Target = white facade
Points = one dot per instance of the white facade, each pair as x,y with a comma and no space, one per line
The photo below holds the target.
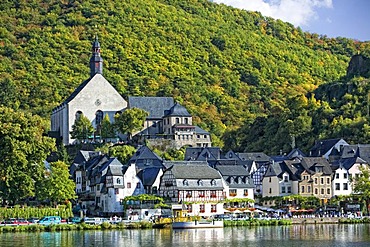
341,182
96,95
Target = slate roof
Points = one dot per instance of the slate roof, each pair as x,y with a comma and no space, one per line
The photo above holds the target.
203,153
200,131
232,170
155,106
258,157
148,175
192,170
359,150
177,110
114,170
309,163
321,147
349,162
144,157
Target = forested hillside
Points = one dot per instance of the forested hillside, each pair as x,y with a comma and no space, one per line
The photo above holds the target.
255,83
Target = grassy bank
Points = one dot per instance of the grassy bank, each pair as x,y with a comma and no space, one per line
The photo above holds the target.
254,222
75,227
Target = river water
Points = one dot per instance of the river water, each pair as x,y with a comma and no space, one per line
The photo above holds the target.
270,236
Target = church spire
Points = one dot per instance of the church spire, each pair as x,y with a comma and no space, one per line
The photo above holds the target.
96,61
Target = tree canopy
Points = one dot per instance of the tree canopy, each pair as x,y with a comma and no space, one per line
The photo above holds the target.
23,150
82,128
234,70
130,120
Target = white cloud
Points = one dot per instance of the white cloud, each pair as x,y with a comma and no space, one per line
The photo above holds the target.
297,12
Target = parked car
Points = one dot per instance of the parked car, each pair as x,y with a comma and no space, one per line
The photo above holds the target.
75,220
33,220
48,220
93,221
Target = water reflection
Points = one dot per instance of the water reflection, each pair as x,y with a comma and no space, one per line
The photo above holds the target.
274,236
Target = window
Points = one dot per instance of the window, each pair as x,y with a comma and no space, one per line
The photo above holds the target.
315,180
270,191
308,189
322,180
97,200
202,208
345,186
154,190
128,185
345,175
189,207
186,120
283,189
98,118
98,187
328,191
188,194
213,182
316,191
116,191
177,120
213,194
232,192
185,182
286,178
302,189
201,193
245,192
200,182
337,186
336,175
213,208
78,115
138,186
327,180
289,189
118,181
322,191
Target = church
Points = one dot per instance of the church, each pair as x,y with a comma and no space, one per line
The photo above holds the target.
168,121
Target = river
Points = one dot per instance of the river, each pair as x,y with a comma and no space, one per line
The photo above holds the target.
270,236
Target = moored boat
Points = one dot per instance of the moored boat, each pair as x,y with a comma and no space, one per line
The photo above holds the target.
197,224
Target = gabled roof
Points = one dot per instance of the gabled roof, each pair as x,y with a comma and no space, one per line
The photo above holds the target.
114,170
148,175
347,163
258,157
321,147
359,150
309,163
203,153
155,106
177,110
192,170
232,170
111,162
144,157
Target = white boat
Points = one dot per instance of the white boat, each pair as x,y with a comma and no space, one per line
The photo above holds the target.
197,224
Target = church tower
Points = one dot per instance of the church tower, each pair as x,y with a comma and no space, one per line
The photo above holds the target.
96,61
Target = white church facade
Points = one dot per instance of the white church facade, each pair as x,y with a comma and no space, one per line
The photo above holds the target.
96,97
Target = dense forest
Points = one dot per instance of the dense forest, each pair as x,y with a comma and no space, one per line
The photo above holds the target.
255,83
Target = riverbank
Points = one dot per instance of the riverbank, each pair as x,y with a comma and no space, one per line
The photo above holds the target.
148,225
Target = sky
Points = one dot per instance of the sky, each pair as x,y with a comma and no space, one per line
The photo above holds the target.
333,18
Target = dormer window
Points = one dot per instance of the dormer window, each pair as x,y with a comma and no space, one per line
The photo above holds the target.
200,182
213,182
185,182
118,181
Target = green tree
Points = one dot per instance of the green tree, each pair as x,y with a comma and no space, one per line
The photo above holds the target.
57,185
130,120
107,129
82,128
23,149
362,186
122,152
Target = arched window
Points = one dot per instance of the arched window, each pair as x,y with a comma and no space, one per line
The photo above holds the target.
98,117
185,182
200,182
78,114
118,181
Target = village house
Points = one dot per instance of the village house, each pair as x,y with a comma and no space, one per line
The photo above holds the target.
193,186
